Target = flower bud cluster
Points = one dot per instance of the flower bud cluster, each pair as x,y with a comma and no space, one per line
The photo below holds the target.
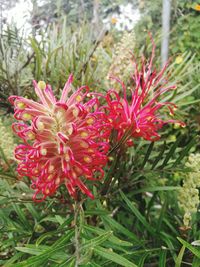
7,142
189,193
121,65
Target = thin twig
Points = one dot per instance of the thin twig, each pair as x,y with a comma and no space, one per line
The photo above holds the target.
77,233
27,62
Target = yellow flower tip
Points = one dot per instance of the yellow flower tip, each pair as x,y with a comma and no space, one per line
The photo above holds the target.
42,85
31,136
40,125
70,130
84,144
78,98
197,7
84,134
43,151
90,121
26,116
21,105
87,159
50,177
75,112
113,20
137,130
179,60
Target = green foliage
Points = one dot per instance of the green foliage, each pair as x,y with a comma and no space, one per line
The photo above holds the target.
63,51
14,73
185,31
184,44
130,225
52,56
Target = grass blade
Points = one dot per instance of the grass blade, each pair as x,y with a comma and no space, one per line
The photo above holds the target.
114,257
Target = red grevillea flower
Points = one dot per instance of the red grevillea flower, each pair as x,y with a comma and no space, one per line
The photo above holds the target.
63,140
136,114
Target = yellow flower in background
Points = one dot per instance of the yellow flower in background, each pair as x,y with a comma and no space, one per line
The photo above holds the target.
179,60
113,20
197,7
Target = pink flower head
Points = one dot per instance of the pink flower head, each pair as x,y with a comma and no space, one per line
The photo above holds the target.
136,114
63,140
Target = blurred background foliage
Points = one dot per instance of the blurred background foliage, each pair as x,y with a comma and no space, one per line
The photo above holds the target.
149,215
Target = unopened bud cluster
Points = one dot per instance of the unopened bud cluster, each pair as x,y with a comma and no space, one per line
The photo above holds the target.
7,143
121,65
189,193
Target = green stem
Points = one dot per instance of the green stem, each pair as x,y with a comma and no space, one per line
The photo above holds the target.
78,224
118,155
121,142
111,172
77,233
